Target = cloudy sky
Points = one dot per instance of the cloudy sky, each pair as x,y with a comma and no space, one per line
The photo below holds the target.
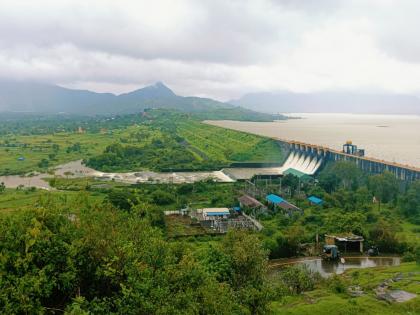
214,48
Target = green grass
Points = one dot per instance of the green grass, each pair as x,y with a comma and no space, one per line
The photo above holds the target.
37,147
177,225
208,147
228,145
324,301
17,200
410,233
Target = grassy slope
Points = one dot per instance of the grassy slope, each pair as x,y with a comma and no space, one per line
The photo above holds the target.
206,142
229,145
324,301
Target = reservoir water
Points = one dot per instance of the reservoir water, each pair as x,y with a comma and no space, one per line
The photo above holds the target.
394,138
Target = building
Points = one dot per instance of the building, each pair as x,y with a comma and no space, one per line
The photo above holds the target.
211,214
315,200
346,242
283,204
249,202
302,176
274,199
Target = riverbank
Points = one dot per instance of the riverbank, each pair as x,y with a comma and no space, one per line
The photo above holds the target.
363,291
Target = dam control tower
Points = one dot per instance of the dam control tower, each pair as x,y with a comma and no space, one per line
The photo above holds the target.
350,148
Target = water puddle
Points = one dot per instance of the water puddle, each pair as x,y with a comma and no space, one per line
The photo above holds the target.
327,268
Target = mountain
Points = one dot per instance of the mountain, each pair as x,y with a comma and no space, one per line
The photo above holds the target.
41,98
330,102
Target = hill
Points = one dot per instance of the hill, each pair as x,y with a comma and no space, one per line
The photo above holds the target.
329,102
30,97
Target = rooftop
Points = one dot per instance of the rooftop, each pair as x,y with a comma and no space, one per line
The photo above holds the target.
248,201
315,200
274,199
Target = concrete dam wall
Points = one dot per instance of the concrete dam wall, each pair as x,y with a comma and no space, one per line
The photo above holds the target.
309,158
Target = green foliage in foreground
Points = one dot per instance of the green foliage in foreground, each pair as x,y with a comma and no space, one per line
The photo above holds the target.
87,258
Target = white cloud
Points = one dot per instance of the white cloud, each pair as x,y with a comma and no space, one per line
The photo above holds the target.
213,48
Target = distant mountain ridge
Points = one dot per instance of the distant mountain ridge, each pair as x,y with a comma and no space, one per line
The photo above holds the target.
330,102
45,98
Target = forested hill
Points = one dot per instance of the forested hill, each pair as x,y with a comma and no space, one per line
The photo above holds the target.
51,99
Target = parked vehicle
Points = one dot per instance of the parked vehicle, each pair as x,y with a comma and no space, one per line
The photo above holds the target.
330,252
373,251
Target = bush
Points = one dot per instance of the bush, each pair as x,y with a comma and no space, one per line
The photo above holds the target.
122,199
336,284
298,279
161,197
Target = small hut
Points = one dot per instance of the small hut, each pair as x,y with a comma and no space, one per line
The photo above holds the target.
348,242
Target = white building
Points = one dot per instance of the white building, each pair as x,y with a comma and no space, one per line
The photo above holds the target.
214,213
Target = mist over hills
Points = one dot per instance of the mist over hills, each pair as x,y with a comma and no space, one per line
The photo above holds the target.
20,100
45,98
330,102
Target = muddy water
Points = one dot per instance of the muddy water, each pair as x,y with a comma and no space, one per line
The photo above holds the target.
395,138
327,268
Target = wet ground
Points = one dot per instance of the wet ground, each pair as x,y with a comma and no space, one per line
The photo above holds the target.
327,268
76,169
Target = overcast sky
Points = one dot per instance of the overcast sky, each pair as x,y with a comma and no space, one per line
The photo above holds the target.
221,49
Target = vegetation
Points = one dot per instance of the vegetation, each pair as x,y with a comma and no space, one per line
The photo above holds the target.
96,247
332,296
87,257
158,140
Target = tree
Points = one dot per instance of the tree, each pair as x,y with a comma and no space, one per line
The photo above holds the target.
2,187
122,199
410,202
384,187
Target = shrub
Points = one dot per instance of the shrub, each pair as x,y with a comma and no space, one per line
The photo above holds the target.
336,284
298,279
161,197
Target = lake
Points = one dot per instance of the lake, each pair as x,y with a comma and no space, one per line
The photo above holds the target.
395,138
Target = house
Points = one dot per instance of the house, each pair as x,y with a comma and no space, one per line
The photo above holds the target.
283,204
249,202
274,199
315,200
211,214
345,241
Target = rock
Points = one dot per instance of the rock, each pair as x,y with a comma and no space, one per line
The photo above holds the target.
397,296
355,291
398,277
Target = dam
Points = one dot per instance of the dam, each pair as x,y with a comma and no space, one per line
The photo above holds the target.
309,159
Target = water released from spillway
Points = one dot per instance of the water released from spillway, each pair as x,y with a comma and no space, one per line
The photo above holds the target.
394,138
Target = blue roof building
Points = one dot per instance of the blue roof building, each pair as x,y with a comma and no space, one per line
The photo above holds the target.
274,199
316,200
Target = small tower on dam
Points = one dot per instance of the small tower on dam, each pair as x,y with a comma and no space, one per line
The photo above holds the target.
350,148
